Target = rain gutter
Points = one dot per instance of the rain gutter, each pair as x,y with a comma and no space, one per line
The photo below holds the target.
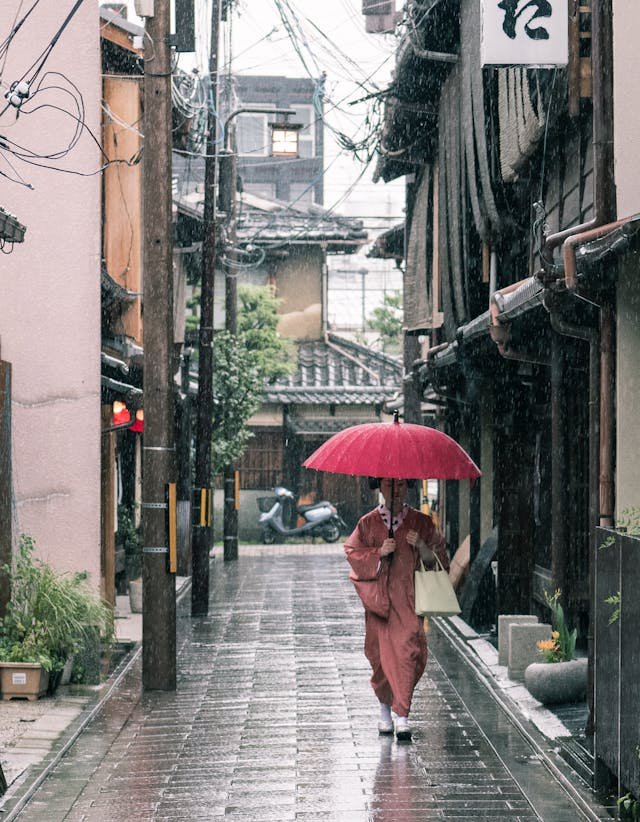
604,194
508,303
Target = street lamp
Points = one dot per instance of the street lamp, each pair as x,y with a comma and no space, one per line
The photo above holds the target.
285,139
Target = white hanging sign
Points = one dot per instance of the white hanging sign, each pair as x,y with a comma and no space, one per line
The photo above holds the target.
525,32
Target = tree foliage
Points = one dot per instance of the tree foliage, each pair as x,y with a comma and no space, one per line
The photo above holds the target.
258,325
387,321
242,365
236,397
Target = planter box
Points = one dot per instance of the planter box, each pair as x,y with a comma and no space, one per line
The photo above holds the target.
23,680
555,683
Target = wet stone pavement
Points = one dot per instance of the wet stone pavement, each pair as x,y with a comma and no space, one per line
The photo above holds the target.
274,719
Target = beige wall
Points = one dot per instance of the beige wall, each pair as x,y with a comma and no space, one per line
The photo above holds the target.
627,170
299,286
626,76
50,299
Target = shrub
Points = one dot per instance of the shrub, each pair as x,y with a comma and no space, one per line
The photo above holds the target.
51,615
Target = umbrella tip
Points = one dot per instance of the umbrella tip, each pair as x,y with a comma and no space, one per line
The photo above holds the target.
396,416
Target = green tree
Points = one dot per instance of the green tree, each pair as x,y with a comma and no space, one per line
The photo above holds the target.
242,366
258,325
387,321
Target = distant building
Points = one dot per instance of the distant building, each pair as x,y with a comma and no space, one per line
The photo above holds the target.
298,180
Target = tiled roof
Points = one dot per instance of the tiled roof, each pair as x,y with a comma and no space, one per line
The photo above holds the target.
338,371
263,222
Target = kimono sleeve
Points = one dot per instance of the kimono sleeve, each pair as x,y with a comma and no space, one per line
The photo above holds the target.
363,558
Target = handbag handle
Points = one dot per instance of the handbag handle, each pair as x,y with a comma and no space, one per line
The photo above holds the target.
431,569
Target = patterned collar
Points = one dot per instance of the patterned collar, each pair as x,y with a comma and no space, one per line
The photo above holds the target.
398,519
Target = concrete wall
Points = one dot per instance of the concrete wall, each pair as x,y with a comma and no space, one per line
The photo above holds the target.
627,171
628,389
50,296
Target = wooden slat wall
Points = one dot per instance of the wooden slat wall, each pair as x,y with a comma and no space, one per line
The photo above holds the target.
261,465
123,194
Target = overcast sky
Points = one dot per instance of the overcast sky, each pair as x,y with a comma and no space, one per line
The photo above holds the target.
330,38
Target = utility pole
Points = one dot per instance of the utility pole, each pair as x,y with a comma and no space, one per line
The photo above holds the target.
228,186
159,586
204,420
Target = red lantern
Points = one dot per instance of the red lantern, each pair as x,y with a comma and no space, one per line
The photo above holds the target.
121,415
138,425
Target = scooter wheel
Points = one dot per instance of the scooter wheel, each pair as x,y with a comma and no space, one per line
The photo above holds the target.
331,532
268,536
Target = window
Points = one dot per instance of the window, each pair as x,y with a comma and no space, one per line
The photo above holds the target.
307,135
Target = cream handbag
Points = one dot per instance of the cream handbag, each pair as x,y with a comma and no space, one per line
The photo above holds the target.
434,592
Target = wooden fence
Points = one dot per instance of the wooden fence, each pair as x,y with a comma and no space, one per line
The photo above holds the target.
617,657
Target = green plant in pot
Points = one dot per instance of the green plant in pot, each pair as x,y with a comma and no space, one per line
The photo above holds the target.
131,540
561,678
51,615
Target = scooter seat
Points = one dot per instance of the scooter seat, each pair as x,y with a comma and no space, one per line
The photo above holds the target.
323,503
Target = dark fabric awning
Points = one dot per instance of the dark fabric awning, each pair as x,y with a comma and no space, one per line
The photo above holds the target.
418,310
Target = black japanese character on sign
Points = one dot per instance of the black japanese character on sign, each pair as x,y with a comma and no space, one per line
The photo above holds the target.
514,8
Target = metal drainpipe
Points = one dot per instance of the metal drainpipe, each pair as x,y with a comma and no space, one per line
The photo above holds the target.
604,194
592,336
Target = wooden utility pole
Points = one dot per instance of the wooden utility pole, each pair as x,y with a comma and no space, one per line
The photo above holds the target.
228,186
204,420
159,587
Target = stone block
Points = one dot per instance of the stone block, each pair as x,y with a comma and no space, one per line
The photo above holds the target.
522,646
504,620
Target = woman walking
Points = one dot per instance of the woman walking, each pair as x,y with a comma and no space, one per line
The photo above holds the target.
382,571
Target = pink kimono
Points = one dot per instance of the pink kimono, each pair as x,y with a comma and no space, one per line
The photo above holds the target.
394,643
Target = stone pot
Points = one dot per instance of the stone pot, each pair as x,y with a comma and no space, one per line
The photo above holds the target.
135,596
553,683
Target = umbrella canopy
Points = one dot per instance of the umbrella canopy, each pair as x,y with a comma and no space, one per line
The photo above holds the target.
397,450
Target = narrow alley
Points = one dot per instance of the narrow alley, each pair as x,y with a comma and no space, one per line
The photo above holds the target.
273,719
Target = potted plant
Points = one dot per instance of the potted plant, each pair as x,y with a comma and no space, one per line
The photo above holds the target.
561,677
50,616
131,540
25,662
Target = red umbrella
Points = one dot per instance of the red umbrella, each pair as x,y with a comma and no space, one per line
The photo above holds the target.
397,450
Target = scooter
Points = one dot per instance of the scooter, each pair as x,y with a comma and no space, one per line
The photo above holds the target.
320,518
